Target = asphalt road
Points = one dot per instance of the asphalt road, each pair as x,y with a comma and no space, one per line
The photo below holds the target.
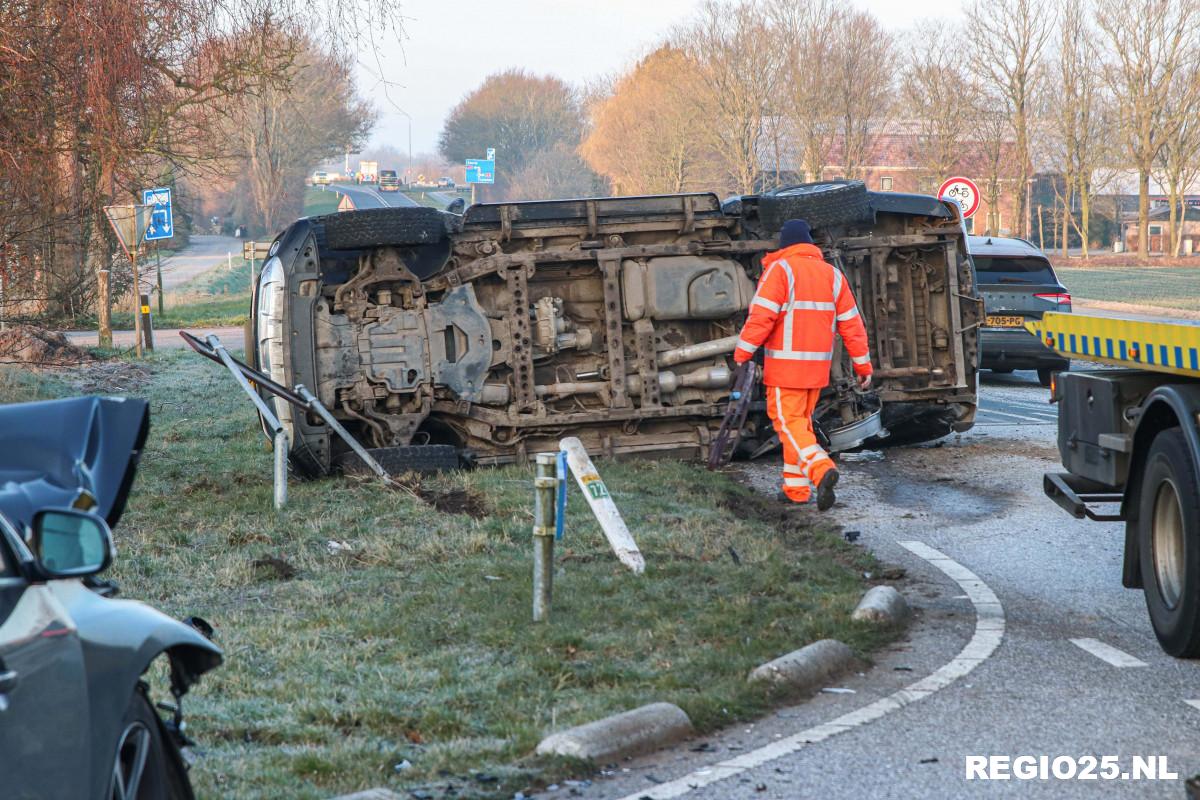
364,196
1044,691
164,338
203,254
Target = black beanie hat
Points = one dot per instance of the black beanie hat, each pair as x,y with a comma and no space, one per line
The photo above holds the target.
795,231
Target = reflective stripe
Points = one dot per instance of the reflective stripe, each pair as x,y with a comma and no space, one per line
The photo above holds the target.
810,451
793,468
783,420
837,283
765,303
801,355
856,359
744,345
791,298
798,483
811,305
851,314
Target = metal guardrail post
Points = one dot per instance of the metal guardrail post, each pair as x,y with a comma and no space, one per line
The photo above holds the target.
278,433
280,471
545,484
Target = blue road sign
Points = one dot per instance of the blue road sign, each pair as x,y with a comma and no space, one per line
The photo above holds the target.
162,219
481,170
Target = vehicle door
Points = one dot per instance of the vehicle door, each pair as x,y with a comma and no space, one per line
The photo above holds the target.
43,691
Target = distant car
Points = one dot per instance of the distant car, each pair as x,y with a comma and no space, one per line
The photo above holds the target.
445,183
76,718
389,181
1017,284
320,178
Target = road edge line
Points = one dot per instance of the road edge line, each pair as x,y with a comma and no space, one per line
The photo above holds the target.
989,632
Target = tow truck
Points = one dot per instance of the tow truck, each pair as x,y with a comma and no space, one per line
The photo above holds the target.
1129,439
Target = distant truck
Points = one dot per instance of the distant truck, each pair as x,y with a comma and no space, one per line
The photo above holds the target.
389,181
320,178
1131,437
368,172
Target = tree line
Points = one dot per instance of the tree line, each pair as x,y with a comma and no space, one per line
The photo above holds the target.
747,94
102,98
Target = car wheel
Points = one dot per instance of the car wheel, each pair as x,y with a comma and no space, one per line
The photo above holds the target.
820,204
142,766
1168,544
384,227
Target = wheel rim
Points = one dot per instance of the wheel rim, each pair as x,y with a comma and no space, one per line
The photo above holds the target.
1167,544
133,751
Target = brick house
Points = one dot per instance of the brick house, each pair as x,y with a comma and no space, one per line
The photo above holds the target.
1160,230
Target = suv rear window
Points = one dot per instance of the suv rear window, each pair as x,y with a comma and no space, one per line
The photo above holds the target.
1013,269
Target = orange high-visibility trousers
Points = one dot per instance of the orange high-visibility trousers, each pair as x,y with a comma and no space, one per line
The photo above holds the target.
804,462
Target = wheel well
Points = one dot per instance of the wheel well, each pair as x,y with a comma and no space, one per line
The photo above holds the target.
1158,417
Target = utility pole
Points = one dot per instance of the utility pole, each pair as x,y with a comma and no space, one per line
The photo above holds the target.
158,255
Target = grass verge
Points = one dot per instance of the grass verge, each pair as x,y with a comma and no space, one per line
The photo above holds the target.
320,201
1169,287
373,639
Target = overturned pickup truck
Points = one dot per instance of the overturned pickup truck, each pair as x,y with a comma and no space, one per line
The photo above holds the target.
489,335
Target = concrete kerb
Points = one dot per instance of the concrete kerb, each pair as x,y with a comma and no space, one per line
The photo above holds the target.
807,668
882,605
631,733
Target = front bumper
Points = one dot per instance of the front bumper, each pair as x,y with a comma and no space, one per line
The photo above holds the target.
1015,348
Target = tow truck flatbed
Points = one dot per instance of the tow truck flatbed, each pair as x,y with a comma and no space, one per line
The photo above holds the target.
1171,346
1130,438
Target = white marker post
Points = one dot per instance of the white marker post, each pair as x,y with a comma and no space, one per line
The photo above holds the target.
602,505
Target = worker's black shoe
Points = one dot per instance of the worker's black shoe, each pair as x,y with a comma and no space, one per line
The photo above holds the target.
825,495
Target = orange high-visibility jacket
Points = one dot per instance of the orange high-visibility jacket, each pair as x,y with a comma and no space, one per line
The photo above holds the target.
799,303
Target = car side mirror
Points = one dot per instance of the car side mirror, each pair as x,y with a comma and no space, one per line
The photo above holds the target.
70,544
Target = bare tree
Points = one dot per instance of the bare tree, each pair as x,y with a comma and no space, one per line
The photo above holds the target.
858,84
1009,39
1151,43
738,62
804,110
1178,163
643,136
939,99
1081,116
289,126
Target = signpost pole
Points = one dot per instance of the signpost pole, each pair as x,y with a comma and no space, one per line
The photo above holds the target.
158,256
137,300
103,310
147,322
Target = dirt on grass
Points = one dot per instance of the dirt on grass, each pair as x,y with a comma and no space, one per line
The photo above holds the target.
456,501
31,346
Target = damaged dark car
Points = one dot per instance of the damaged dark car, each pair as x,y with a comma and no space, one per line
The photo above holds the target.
489,335
76,716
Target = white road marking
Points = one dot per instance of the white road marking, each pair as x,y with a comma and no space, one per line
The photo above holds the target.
989,631
1193,703
1108,653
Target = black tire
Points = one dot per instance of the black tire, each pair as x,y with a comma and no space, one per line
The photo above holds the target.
1168,528
423,458
383,227
161,775
820,204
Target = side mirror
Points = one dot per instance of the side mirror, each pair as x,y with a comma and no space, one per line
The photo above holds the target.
70,544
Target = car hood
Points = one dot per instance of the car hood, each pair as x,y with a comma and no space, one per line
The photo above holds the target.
55,448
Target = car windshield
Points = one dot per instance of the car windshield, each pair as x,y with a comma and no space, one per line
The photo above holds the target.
1013,269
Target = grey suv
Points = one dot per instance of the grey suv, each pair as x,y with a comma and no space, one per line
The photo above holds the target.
1017,284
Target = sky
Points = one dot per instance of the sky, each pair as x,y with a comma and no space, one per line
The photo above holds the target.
450,47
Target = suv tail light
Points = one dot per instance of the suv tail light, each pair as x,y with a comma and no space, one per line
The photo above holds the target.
1062,298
